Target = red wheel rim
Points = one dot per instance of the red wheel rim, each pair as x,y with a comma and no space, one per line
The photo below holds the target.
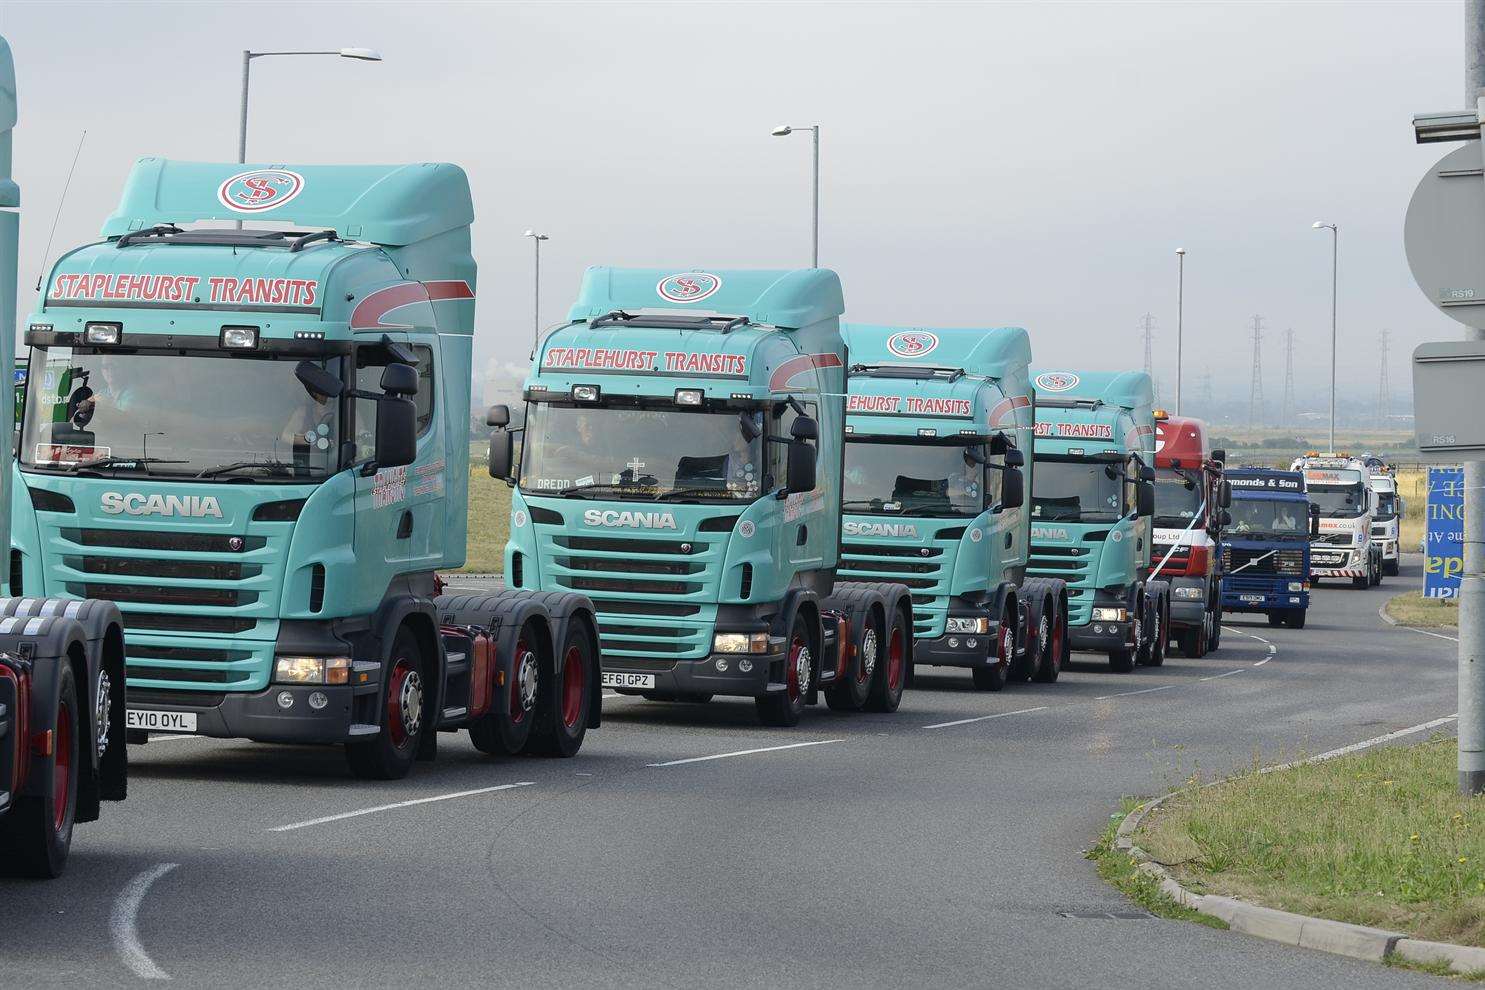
1003,642
574,684
62,767
791,676
396,717
894,661
870,646
517,706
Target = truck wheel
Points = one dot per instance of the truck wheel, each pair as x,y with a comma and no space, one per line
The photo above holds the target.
1193,641
850,693
390,755
1155,653
505,733
1390,567
784,707
1275,618
992,675
561,717
1378,571
1361,582
1295,619
37,834
1021,671
1215,640
892,669
1054,644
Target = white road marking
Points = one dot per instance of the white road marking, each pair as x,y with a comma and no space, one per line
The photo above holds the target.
1263,661
1228,674
400,804
122,924
1272,649
1367,743
746,752
983,718
1125,694
1452,639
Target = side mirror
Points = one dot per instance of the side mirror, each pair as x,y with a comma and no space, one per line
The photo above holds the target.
1314,520
801,466
498,416
1220,456
1144,498
502,453
1224,519
1014,458
1013,488
318,380
804,428
1224,495
400,379
1147,473
396,431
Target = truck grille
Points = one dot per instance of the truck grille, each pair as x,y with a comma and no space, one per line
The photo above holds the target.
1075,563
1334,540
924,568
1243,560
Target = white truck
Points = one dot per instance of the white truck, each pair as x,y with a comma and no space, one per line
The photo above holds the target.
1340,486
1387,523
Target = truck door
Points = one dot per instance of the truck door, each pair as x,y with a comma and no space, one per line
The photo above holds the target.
806,529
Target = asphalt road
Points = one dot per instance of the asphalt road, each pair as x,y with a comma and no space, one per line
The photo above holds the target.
880,850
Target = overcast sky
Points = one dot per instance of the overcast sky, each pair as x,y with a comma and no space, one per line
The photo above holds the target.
983,164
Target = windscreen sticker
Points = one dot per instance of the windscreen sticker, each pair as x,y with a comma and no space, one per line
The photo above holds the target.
620,359
260,189
68,455
183,288
389,488
1333,477
1079,431
688,287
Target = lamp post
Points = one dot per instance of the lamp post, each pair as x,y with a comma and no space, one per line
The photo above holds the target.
1335,237
536,239
360,54
784,130
1180,314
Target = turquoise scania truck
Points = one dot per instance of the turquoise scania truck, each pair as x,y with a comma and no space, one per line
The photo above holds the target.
938,425
1092,505
255,442
681,466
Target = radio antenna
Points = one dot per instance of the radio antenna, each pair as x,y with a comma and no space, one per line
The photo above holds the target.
41,272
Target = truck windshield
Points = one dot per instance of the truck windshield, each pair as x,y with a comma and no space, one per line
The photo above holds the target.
642,453
1075,491
1263,517
1178,498
1337,501
1386,506
889,477
220,416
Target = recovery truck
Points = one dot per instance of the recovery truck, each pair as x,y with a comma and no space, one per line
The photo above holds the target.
1266,546
1092,503
681,465
1387,523
1190,505
255,441
1341,487
938,423
62,749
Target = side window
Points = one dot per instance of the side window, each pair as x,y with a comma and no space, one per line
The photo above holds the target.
783,416
994,476
1131,501
371,360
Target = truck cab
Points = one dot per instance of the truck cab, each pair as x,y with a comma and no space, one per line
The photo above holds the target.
1190,506
681,465
1340,486
938,425
1387,523
1266,545
1092,508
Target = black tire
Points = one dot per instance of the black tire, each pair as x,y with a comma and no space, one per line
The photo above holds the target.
36,836
1275,618
405,716
1121,661
783,708
1155,654
561,718
1215,640
1193,641
1391,567
1295,619
504,733
995,672
1361,582
895,667
850,693
1053,653
1378,572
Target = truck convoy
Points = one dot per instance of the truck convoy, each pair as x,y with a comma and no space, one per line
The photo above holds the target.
254,442
62,750
1092,503
1341,487
938,424
1387,523
1266,546
1190,507
681,465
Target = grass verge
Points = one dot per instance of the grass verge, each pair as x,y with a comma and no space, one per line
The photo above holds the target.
1378,838
489,523
1118,869
1412,609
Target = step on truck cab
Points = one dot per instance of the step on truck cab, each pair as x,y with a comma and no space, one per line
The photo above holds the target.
255,441
1387,522
1190,506
681,466
62,749
1340,485
938,425
1092,503
1266,546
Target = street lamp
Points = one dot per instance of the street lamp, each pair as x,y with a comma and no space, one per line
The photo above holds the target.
783,130
536,239
1180,313
1335,237
359,54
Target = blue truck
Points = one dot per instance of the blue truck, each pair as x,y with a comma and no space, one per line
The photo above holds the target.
1266,545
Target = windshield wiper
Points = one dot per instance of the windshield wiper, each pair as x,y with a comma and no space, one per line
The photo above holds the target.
702,492
595,486
277,466
871,505
115,461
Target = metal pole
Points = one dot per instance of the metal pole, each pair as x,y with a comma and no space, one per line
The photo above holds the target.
1180,316
1472,582
815,251
247,61
536,300
1335,248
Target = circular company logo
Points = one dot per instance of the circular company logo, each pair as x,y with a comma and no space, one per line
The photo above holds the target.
975,536
518,518
746,529
259,190
688,287
912,343
1057,381
1116,536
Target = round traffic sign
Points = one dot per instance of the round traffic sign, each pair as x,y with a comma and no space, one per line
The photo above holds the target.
1444,235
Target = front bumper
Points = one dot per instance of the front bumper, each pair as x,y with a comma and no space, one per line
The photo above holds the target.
1249,601
701,676
1389,549
257,715
1187,612
1101,637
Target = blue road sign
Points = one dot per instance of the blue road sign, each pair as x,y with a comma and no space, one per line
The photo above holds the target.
1443,541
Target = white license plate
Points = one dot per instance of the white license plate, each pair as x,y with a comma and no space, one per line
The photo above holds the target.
143,718
617,679
1258,599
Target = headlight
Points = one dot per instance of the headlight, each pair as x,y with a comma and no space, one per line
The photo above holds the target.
740,642
1111,615
312,670
1192,594
967,624
1296,586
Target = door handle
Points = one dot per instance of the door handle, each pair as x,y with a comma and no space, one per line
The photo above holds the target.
405,525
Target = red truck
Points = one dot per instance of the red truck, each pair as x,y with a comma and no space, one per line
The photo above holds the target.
1191,502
